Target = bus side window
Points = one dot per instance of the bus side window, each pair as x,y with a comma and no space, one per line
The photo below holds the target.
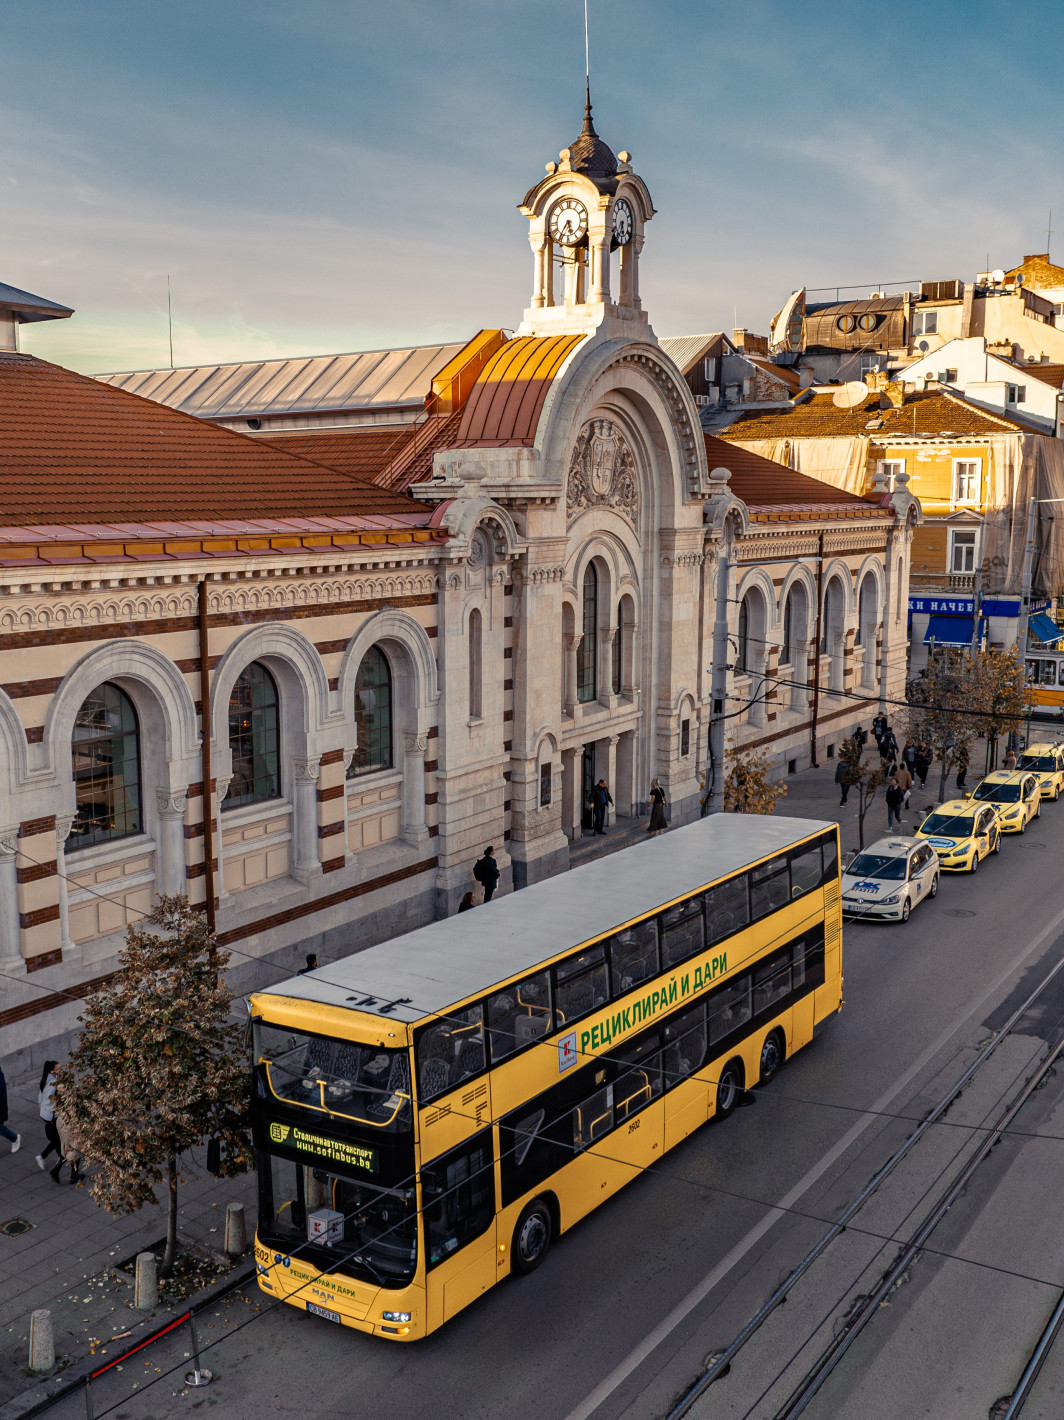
518,1014
727,909
830,849
728,1008
685,1047
772,981
458,1191
1049,672
806,869
639,1085
769,887
682,933
450,1051
633,956
580,985
593,1118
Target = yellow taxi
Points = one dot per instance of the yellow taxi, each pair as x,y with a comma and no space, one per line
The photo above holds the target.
1015,794
962,832
1046,762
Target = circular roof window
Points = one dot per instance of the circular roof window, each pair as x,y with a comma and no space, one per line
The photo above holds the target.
846,324
867,321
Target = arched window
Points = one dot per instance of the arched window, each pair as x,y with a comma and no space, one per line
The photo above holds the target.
743,651
867,615
253,738
373,715
105,753
617,664
897,610
750,652
475,668
834,611
586,677
787,649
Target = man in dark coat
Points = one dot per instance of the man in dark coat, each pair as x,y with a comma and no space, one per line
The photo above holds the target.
601,798
842,779
486,872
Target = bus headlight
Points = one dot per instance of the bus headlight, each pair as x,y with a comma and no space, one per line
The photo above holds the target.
396,1316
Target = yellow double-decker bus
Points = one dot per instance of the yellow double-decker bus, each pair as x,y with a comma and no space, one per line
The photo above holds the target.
429,1114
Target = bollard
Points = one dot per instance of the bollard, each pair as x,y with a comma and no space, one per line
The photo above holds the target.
199,1375
146,1291
235,1234
88,1399
42,1343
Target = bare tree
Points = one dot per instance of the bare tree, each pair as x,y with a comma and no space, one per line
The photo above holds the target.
865,777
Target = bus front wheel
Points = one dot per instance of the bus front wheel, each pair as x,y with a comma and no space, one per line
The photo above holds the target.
729,1088
531,1237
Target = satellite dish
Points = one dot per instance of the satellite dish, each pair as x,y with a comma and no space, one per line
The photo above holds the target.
997,276
850,395
922,345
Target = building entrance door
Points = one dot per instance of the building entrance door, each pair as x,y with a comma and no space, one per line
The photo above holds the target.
587,783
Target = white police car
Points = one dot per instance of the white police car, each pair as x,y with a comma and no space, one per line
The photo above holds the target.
889,878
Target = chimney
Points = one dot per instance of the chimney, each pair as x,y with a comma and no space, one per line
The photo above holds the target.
746,340
876,380
894,393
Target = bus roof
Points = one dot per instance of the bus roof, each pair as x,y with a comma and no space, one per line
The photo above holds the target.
445,962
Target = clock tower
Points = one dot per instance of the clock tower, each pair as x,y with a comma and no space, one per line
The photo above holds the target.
586,222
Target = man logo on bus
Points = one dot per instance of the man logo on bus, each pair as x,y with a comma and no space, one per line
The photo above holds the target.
279,1132
567,1052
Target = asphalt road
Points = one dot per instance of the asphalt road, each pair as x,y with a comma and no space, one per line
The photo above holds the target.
623,1313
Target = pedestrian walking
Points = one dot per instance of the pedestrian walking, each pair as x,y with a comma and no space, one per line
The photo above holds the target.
70,1151
46,1109
15,1140
894,798
658,805
842,779
904,781
312,964
908,757
879,726
860,737
962,765
486,872
922,763
1010,760
601,799
888,744
467,904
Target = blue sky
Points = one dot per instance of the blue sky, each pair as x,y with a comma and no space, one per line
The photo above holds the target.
338,175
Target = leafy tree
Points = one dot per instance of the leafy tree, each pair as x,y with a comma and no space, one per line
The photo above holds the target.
864,777
747,787
159,1067
1003,695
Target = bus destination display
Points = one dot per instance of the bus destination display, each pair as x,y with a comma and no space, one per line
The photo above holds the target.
333,1151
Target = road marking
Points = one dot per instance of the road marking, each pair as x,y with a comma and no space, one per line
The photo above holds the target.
668,1324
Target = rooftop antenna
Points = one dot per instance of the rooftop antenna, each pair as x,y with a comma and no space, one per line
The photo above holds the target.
170,319
587,58
1049,234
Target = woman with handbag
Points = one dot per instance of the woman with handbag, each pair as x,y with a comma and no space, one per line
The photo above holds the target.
658,804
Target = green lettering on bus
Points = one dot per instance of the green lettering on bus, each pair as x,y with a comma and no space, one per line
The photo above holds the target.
585,1037
698,978
672,991
685,983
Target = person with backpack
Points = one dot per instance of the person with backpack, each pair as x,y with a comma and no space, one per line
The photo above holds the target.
486,872
842,779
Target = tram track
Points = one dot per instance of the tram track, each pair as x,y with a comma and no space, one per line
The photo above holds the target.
858,1316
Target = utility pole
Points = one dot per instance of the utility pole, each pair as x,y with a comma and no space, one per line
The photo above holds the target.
1025,580
816,651
719,680
977,606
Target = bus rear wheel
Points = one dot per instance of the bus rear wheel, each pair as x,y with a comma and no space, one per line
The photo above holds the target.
729,1087
771,1057
532,1237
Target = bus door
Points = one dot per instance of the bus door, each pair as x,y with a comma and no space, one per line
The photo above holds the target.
459,1206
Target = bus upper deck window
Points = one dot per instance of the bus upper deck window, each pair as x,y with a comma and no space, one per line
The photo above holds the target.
450,1051
1049,673
682,933
518,1014
580,985
634,956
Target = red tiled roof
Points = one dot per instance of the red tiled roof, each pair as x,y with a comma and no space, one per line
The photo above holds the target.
784,373
1052,375
73,450
507,399
391,458
929,413
767,487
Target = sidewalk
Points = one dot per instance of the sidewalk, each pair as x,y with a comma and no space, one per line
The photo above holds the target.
65,1260
814,794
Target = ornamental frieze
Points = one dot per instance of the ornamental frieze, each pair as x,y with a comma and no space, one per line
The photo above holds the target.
602,471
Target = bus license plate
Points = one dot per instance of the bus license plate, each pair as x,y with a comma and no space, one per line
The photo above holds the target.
323,1311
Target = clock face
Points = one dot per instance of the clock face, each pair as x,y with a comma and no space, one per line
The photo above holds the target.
568,222
623,223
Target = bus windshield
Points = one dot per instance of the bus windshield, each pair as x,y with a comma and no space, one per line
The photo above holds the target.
361,1082
949,826
1046,763
999,793
370,1232
875,865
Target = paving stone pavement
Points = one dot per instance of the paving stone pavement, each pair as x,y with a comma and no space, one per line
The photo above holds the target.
64,1261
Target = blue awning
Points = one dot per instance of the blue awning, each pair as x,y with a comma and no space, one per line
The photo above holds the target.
1045,628
952,630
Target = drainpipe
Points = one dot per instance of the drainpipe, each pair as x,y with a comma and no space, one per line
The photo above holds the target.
816,650
205,756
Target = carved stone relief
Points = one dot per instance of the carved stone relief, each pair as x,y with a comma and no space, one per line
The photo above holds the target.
602,471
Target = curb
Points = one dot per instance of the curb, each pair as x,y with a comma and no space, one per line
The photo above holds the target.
44,1395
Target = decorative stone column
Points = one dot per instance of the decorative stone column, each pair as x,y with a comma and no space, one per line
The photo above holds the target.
170,843
63,824
307,863
611,769
600,291
572,646
11,961
221,788
414,829
571,792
